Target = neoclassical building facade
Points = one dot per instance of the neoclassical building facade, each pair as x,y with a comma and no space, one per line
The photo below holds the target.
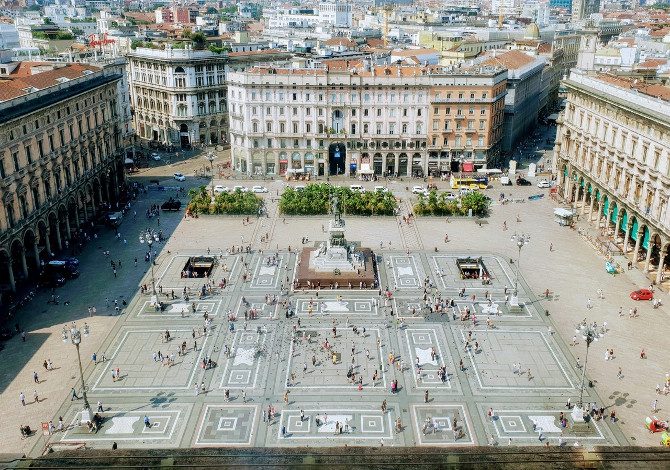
61,159
355,118
612,160
179,96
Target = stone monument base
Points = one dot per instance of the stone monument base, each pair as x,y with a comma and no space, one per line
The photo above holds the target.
306,276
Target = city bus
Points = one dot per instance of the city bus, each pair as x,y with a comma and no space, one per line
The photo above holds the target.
469,181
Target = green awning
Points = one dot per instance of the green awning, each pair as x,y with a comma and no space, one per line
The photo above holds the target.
606,206
615,212
565,171
624,221
646,238
634,229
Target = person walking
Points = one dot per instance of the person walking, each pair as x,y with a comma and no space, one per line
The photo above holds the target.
425,396
100,408
22,398
36,378
74,394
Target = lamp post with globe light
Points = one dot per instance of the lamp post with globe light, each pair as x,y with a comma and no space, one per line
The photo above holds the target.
75,338
589,335
148,236
521,241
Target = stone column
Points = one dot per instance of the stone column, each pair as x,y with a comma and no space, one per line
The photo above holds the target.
47,242
68,234
85,211
583,208
617,225
659,272
24,265
383,162
593,201
648,259
396,163
58,239
37,256
638,243
12,283
92,206
76,213
626,237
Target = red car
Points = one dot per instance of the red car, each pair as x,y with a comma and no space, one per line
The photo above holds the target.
642,294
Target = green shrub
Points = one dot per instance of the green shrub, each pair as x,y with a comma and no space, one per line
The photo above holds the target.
438,204
315,199
235,203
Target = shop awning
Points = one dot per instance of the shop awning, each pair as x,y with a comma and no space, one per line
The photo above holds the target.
468,166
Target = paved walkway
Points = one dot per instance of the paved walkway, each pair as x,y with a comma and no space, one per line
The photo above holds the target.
262,355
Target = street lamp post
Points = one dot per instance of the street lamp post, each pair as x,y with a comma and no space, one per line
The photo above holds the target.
521,241
210,157
589,335
149,236
75,338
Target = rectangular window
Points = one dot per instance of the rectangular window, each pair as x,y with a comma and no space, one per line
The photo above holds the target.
436,125
40,148
2,169
418,112
282,127
29,154
308,128
379,113
295,127
15,159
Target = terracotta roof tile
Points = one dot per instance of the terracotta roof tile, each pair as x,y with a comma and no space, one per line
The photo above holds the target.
656,91
510,60
14,86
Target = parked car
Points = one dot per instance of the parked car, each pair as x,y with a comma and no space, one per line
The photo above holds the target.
357,187
171,205
419,190
299,187
450,196
179,177
219,188
505,181
642,294
114,219
240,188
155,157
381,189
71,260
523,182
62,269
543,184
259,189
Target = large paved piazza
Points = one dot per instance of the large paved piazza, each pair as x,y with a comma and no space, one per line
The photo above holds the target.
299,366
269,356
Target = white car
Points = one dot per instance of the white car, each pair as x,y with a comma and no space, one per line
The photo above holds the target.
381,189
219,188
156,157
259,189
449,196
240,188
419,190
299,187
543,184
357,187
179,177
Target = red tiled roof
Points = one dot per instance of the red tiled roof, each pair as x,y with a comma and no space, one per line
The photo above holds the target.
510,60
340,42
18,85
656,91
